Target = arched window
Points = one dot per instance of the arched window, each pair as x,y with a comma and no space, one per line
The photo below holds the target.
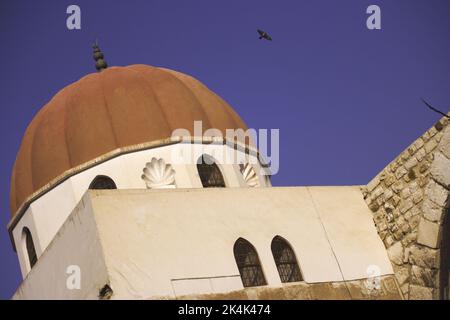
209,172
248,264
29,246
102,182
445,259
285,260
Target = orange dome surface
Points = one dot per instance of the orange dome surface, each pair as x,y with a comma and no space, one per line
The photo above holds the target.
118,107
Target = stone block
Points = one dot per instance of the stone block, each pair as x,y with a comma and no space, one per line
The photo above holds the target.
420,293
377,192
440,169
393,166
395,253
404,155
417,197
412,149
414,187
400,172
388,241
415,210
397,187
407,240
418,143
420,154
423,277
405,193
432,211
390,179
411,163
432,131
424,257
430,145
405,228
408,204
423,181
414,222
402,274
398,234
436,193
423,167
373,184
396,200
382,226
428,234
444,145
388,194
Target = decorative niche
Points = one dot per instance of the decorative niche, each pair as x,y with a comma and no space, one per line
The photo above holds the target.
249,175
157,174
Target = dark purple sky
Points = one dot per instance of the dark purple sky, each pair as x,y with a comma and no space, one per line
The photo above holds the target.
346,99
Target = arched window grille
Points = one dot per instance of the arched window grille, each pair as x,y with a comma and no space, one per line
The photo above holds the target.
29,245
102,182
209,172
248,264
285,260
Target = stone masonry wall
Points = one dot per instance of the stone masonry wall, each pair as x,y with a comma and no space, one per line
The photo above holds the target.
408,200
344,290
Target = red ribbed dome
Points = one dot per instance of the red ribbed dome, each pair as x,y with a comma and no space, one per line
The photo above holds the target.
118,107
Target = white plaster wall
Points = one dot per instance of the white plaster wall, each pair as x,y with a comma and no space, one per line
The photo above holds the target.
26,221
182,287
76,243
51,209
351,230
161,243
167,243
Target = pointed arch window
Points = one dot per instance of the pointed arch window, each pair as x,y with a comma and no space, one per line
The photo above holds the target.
248,264
209,172
29,246
285,260
102,182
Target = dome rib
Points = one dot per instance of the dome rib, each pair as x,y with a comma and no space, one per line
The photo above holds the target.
101,76
193,85
148,85
200,106
65,116
46,150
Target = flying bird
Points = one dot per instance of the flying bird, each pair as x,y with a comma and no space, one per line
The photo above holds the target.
434,109
264,35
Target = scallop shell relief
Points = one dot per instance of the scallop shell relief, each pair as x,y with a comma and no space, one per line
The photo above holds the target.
249,175
158,175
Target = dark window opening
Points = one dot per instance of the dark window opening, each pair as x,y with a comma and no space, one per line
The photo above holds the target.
248,264
209,172
102,182
31,251
445,259
285,260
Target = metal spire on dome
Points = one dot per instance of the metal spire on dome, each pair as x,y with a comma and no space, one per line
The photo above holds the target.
100,63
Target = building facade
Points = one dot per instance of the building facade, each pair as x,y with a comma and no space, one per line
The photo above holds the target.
141,213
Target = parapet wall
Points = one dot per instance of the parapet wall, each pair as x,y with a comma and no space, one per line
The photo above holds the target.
409,199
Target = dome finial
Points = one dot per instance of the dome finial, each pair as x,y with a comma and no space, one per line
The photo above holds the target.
100,63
